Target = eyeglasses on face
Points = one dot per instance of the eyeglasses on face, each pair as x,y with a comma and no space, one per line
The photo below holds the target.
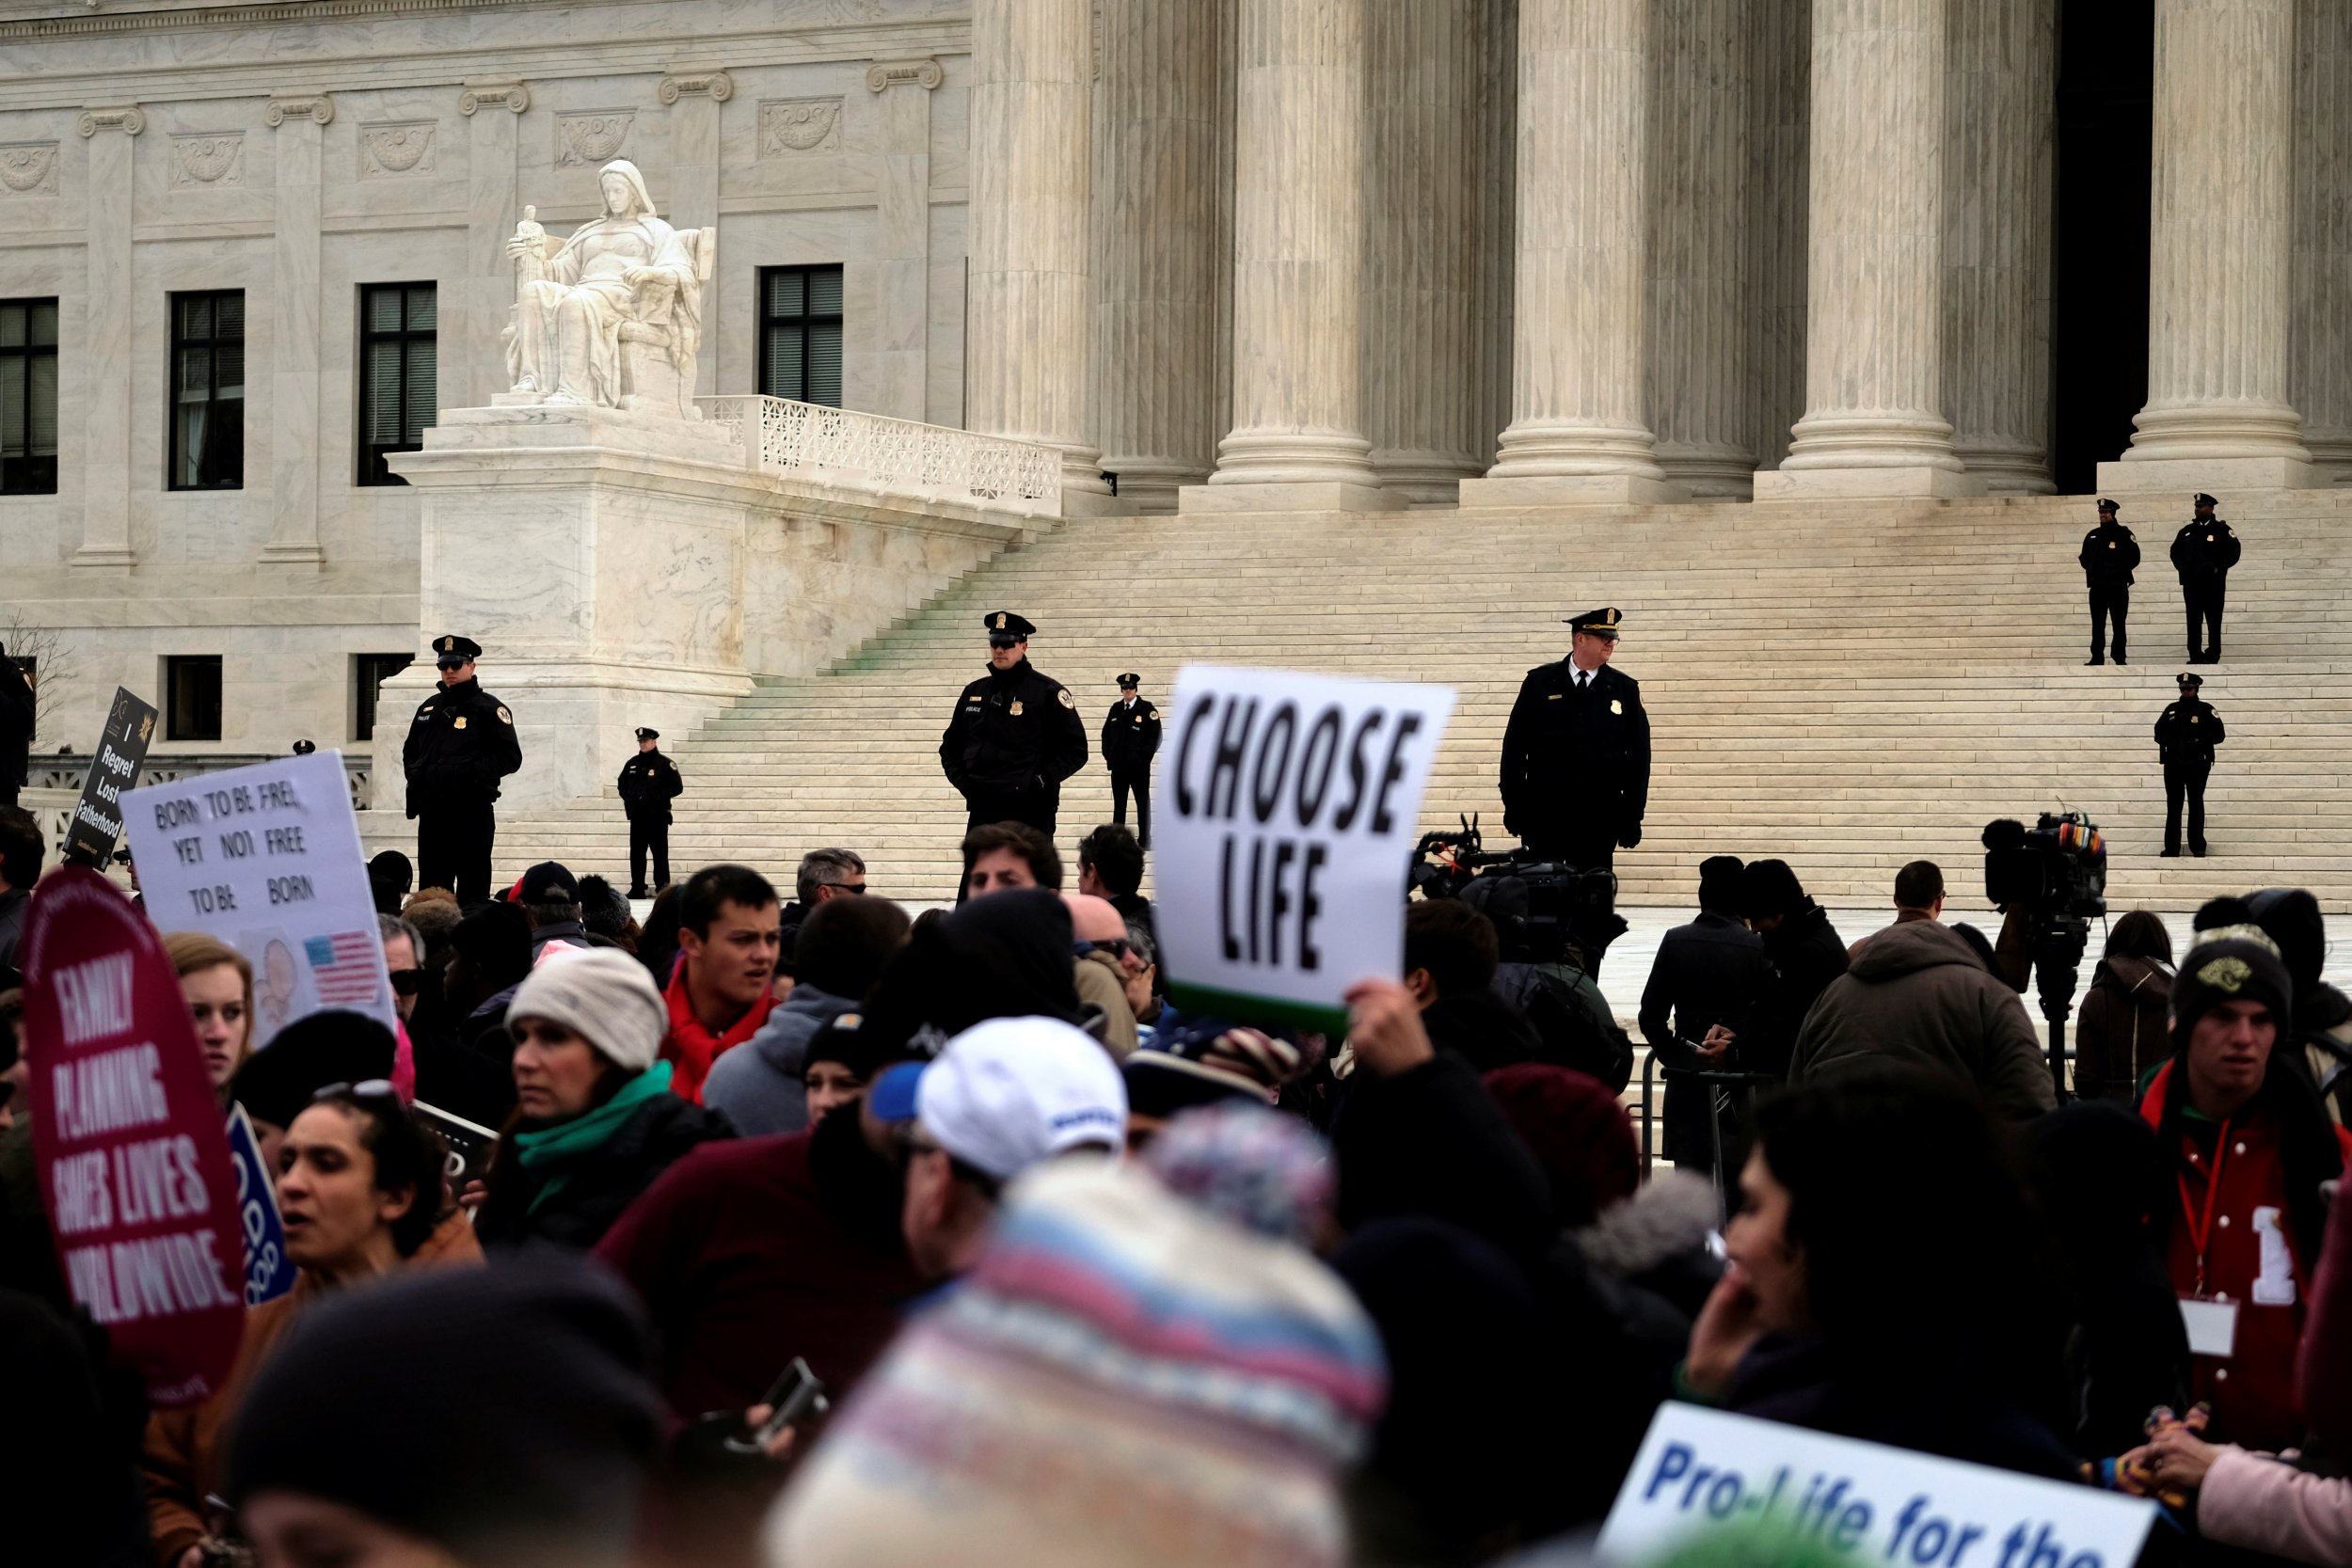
405,982
367,1088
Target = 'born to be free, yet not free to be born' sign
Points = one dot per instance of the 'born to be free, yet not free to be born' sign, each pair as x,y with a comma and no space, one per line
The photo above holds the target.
1289,805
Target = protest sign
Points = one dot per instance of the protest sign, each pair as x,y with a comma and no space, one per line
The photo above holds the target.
267,859
1700,1467
1290,804
268,1271
127,1139
97,824
469,1144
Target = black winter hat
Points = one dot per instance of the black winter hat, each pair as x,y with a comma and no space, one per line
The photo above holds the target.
533,1380
1719,881
332,1047
2234,969
1770,888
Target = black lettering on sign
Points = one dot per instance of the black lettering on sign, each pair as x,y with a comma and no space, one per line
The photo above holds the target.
1185,799
290,890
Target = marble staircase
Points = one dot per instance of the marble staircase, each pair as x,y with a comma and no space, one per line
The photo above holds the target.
1846,685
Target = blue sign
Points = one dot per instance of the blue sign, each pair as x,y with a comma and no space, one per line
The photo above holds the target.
268,1271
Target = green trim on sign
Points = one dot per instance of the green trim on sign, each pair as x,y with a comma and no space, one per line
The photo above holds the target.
1244,1007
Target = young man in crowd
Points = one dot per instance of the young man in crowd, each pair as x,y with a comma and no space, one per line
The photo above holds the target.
1002,855
729,933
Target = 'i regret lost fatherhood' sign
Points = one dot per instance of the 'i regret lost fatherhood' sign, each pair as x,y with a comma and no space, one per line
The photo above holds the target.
1289,806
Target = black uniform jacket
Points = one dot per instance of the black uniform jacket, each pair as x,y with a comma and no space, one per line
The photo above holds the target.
16,725
1131,736
2109,556
1014,731
2204,551
2187,733
649,781
460,744
1571,757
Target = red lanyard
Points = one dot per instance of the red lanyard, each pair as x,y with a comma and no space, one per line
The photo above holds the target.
2199,1234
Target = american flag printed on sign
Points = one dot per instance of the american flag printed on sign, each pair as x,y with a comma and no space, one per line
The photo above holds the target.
343,967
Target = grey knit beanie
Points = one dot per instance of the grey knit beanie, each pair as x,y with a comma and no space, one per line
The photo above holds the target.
604,996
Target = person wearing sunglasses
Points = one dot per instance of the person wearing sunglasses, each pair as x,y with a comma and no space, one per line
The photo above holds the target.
1099,943
360,1189
217,983
596,1122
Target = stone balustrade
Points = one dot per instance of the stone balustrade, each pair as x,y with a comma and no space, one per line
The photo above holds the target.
899,458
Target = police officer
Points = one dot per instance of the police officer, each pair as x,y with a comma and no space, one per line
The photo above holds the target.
1131,738
2203,552
305,748
2186,736
1576,752
1015,735
2109,556
460,744
16,729
649,781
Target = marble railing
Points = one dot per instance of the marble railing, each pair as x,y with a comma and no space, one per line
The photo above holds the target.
890,457
65,770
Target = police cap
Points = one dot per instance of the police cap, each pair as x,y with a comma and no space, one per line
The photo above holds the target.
2108,507
451,651
2189,679
1605,622
1005,628
304,748
1129,681
2203,499
644,733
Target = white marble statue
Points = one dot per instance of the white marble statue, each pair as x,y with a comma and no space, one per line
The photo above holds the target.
612,316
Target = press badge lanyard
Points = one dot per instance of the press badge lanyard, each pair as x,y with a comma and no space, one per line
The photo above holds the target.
2199,1234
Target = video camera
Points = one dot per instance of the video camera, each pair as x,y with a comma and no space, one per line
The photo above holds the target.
1538,907
2058,867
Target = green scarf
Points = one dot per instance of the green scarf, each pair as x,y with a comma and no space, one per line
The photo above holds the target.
569,1141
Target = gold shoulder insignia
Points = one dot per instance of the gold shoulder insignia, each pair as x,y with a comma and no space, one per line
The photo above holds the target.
1063,692
504,717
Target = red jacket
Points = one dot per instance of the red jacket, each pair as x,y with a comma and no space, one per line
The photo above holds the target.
690,1049
2252,1259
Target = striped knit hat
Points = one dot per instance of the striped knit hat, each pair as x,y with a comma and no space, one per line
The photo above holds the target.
1126,1379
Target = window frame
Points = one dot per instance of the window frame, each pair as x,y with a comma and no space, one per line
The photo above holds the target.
182,726
370,469
16,360
805,321
174,454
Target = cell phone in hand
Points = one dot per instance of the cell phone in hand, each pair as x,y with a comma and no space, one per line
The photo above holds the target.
797,1395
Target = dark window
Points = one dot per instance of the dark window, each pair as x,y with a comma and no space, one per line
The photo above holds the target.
192,695
28,397
799,334
208,390
396,358
371,671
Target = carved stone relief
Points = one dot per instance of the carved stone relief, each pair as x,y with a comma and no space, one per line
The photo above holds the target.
207,161
30,169
395,150
792,126
591,138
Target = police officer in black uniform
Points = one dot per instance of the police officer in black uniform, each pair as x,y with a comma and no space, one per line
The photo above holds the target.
2203,552
1131,738
16,729
2186,736
460,744
2109,556
649,781
1015,735
1576,754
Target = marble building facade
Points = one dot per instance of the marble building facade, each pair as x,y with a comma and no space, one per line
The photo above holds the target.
1241,254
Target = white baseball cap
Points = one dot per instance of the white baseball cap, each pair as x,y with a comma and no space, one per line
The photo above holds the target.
1012,1091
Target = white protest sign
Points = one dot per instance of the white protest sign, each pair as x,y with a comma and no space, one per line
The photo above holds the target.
1878,1505
1289,805
267,859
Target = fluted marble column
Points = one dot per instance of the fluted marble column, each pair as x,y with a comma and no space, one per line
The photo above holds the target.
1155,234
1699,392
1780,104
487,294
1298,221
2000,119
1032,68
1579,327
1496,218
694,98
2319,347
297,229
1875,260
106,330
1420,112
2219,282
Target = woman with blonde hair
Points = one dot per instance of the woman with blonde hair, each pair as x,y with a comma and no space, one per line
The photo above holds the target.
217,982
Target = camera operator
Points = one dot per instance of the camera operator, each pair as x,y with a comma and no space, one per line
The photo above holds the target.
1706,977
2186,736
1576,754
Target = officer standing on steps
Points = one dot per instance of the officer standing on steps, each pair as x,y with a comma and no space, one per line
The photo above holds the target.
460,744
649,781
1576,754
2186,736
1131,738
1015,735
2203,552
2109,556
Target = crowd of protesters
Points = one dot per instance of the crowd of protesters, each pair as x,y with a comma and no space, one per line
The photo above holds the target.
1086,1278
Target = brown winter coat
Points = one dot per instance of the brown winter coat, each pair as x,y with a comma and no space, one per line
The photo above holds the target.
2122,1033
1917,993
